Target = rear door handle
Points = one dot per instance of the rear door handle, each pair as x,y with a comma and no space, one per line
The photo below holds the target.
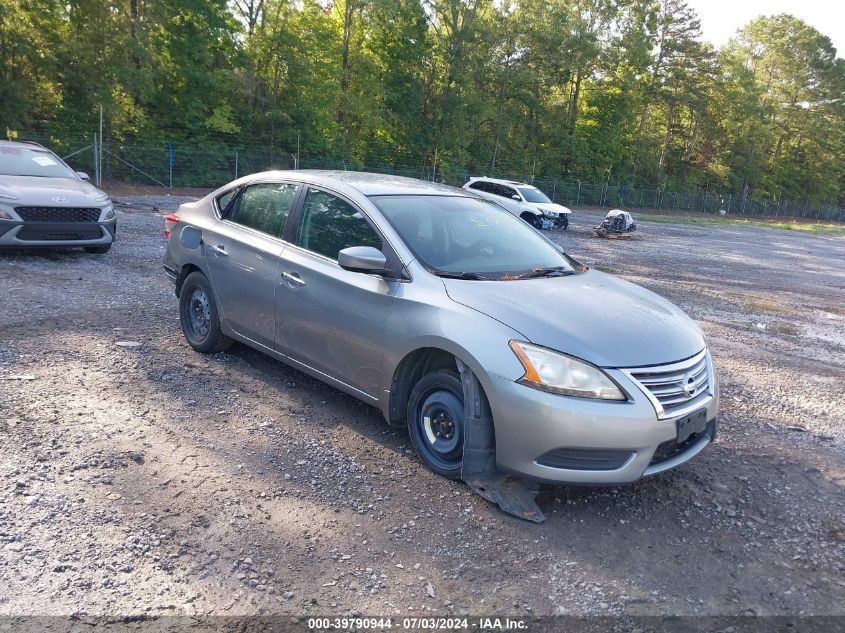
293,278
218,250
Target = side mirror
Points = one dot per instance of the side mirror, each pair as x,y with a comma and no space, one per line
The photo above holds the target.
362,259
516,197
84,176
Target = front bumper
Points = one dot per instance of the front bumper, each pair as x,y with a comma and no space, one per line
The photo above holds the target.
601,442
56,234
560,220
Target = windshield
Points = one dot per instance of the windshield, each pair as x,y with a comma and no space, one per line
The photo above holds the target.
533,195
473,238
23,161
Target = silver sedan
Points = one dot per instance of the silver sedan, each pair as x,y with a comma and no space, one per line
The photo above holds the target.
453,317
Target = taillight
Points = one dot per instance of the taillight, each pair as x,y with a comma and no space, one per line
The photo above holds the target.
169,222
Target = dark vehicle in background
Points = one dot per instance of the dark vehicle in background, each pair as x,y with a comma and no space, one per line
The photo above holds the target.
44,203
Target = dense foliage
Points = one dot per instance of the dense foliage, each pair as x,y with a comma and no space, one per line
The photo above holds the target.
574,88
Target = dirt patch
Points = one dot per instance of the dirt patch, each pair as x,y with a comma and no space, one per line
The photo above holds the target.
152,480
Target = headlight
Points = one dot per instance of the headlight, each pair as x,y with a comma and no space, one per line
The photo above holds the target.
109,214
552,371
5,215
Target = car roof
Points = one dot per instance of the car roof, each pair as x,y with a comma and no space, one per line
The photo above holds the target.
23,144
514,183
367,183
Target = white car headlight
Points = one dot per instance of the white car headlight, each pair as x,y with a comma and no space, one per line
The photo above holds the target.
552,371
108,214
5,215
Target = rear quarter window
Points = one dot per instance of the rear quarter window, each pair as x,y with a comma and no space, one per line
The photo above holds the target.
222,201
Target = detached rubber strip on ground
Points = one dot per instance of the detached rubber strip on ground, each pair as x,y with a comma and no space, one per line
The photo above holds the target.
512,494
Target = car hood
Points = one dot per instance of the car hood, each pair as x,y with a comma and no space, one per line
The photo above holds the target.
597,317
38,191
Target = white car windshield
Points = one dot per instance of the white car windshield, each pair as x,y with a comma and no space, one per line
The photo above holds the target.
471,238
533,195
23,161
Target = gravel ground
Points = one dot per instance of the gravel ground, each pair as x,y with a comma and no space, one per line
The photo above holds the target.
154,480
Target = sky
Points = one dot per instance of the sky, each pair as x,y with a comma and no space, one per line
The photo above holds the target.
720,19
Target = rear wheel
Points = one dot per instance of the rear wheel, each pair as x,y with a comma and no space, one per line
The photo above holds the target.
565,222
98,250
436,422
199,316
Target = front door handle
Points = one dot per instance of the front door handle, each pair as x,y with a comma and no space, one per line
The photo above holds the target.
293,278
218,250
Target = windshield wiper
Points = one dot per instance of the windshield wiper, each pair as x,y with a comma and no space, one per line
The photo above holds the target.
469,276
547,271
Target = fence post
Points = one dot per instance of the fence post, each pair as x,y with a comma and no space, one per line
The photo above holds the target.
578,195
236,164
554,189
170,164
96,162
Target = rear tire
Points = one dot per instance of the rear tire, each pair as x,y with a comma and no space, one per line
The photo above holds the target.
436,422
98,250
565,223
199,316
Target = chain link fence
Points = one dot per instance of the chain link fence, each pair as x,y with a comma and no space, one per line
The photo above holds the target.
211,165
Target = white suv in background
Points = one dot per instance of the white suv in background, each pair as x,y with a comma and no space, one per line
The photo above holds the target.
523,200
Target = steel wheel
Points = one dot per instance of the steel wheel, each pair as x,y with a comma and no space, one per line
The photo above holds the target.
436,422
441,421
199,317
199,314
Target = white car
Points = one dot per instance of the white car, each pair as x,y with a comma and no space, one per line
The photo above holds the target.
523,200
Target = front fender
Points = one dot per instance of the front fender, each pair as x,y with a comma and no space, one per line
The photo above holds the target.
427,318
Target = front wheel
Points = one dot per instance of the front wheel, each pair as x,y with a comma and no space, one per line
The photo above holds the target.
436,422
199,316
534,220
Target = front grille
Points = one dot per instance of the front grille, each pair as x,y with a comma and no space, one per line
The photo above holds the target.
35,234
677,387
58,214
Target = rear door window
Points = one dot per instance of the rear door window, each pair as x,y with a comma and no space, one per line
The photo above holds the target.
505,191
264,207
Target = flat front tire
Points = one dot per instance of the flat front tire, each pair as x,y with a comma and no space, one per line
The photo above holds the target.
436,422
199,316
